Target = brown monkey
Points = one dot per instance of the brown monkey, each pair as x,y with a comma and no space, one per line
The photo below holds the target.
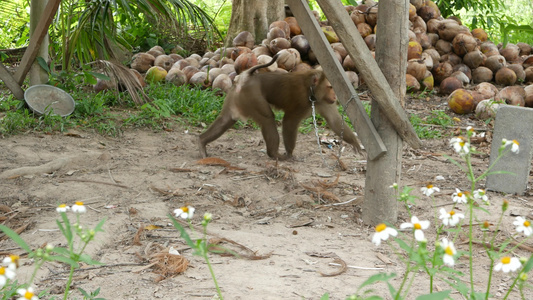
254,94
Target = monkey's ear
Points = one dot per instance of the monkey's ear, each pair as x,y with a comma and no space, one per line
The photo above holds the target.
316,79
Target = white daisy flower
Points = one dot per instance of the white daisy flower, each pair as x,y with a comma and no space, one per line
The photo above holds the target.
523,225
62,208
449,252
11,261
508,264
79,208
515,145
27,294
459,197
460,145
382,233
6,273
418,227
450,218
185,212
429,190
481,195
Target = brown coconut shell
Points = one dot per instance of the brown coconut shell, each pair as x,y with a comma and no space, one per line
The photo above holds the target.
495,62
450,84
463,43
414,50
199,79
164,61
339,47
222,82
302,67
275,33
433,26
372,16
525,49
301,44
429,82
244,39
412,12
411,83
189,71
461,76
464,69
487,89
512,95
176,76
511,52
142,62
434,55
427,13
448,30
417,69
237,51
529,74
293,26
433,38
505,76
489,49
528,62
283,26
357,17
245,61
364,29
452,58
279,44
370,41
482,74
461,101
443,47
262,50
480,34
229,68
474,59
441,71
180,64
288,59
518,69
419,24
353,78
528,98
348,64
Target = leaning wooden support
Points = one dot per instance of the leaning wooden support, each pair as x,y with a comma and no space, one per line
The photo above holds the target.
345,92
369,70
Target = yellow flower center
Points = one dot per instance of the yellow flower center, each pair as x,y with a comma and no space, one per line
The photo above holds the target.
486,224
452,213
79,203
460,194
185,209
62,205
527,223
448,251
516,142
381,227
28,295
462,143
506,260
429,186
417,226
2,270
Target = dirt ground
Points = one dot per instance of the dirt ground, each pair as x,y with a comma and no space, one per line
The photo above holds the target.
291,234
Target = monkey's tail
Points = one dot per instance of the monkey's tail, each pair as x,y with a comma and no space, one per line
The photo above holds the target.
253,69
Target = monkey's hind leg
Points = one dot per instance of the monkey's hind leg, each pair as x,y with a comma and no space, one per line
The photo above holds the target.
221,125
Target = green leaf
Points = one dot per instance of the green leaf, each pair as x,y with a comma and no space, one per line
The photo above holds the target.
183,233
377,278
88,260
15,237
43,64
99,75
435,296
529,265
325,296
98,227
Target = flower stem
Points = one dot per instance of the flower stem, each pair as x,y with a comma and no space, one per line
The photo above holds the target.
213,276
69,281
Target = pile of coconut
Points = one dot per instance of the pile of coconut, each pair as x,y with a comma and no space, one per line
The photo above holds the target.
442,53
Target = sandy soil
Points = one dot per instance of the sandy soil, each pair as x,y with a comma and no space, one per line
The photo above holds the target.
139,178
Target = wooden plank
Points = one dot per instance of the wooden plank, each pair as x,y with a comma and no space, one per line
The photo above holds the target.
369,70
335,73
35,40
11,83
380,203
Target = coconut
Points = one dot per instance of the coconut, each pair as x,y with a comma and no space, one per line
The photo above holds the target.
275,33
417,3
419,24
417,69
525,49
487,109
238,51
452,58
245,61
244,39
511,52
288,59
427,13
155,74
175,57
189,71
512,95
414,50
157,48
265,59
193,61
339,48
495,62
412,36
489,49
222,82
461,76
195,56
435,56
142,62
102,85
364,29
199,79
279,44
428,60
155,52
478,97
428,82
301,44
433,26
529,74
164,61
293,26
480,34
353,78
482,74
180,64
228,68
348,64
302,67
262,50
370,41
448,30
474,59
450,84
283,26
528,62
442,71
443,47
208,54
461,101
505,76
176,77
140,78
464,69
519,71
463,43
412,12
213,73
358,17
372,16
528,99
411,83
487,89
433,38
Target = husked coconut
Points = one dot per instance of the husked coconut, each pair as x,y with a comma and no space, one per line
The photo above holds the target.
495,62
474,59
465,69
463,43
164,61
265,59
450,84
512,95
300,43
461,76
487,89
244,39
142,62
354,79
519,71
505,76
487,109
411,84
155,74
199,79
261,50
222,82
525,49
176,77
245,61
294,26
461,101
529,74
528,98
482,74
428,83
480,34
228,68
441,71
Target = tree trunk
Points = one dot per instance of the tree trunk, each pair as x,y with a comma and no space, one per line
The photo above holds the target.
254,16
380,203
37,74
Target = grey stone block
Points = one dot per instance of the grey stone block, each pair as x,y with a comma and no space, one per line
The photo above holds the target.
512,123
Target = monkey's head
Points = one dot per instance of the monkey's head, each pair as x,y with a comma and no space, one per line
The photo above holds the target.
323,89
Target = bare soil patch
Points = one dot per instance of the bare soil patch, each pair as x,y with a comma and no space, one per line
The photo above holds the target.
295,217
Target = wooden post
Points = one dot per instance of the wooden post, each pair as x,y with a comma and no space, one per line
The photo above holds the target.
380,203
368,68
11,83
336,75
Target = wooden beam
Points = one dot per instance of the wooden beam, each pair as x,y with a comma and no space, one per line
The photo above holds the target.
11,83
369,70
35,40
335,73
